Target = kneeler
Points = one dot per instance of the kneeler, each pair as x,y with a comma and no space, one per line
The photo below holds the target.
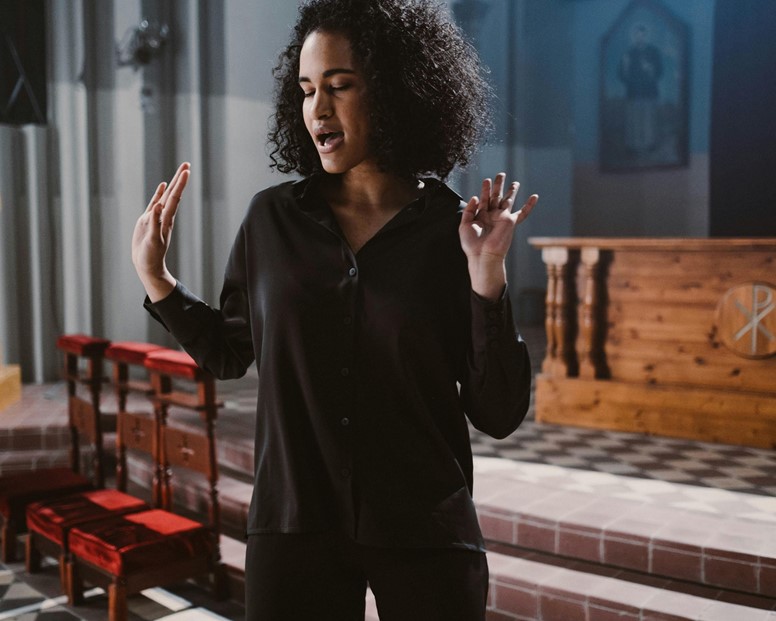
130,553
17,491
50,522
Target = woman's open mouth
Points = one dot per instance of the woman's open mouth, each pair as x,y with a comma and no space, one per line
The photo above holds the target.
329,141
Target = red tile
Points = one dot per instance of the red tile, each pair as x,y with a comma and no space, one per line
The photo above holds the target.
557,609
515,601
767,579
596,613
497,527
579,545
629,554
730,574
536,535
495,615
676,564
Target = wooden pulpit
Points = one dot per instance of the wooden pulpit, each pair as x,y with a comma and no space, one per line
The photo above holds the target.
674,337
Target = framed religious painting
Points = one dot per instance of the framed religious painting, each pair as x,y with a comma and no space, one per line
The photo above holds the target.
643,97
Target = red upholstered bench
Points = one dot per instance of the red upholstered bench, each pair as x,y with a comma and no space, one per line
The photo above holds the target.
130,553
50,521
19,490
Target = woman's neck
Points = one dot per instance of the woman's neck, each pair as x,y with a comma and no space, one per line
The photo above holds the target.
372,191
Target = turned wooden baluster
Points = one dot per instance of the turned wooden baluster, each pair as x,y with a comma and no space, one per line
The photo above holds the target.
560,323
592,362
549,320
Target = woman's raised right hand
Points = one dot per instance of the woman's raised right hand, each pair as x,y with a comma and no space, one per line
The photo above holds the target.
151,237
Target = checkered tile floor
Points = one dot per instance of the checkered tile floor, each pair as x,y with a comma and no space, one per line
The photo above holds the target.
38,597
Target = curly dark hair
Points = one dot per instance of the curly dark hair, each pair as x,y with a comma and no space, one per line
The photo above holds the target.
429,99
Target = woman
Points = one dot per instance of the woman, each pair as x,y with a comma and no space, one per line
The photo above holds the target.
366,293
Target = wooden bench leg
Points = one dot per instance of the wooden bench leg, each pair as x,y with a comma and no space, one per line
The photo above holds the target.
73,584
117,601
32,555
8,543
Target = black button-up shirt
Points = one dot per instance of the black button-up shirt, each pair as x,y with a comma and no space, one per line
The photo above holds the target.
368,364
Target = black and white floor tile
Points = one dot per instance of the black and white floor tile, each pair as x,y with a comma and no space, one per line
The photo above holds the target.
38,597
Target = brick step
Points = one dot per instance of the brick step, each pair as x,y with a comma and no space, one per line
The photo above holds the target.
532,586
12,461
35,438
705,536
539,587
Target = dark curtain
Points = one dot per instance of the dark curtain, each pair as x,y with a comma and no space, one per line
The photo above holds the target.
743,120
22,62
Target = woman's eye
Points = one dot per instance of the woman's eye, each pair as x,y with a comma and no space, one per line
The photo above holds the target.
340,87
309,93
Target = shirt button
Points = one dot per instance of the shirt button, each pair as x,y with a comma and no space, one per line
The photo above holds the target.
352,271
345,421
345,371
347,320
493,331
345,472
493,314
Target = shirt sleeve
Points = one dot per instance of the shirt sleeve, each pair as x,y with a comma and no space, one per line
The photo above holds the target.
218,339
496,389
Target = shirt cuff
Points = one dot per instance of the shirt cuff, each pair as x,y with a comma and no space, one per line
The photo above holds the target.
178,313
491,320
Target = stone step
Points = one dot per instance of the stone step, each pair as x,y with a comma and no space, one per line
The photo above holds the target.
539,587
704,536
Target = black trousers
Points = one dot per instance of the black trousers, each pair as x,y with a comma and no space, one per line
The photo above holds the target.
292,577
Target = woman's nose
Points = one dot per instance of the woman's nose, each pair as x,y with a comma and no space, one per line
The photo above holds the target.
321,105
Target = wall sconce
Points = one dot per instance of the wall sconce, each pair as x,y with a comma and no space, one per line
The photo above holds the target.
141,44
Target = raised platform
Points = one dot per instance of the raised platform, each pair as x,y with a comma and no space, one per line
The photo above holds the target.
565,543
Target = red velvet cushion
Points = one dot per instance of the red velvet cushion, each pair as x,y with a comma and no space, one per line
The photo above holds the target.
19,490
54,518
81,344
124,545
176,363
129,352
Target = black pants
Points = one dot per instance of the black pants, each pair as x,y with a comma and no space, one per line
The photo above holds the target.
324,577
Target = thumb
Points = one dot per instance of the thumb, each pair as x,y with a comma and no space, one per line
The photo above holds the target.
470,211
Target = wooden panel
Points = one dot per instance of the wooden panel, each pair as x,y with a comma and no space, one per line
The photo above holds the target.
10,385
188,449
684,324
705,414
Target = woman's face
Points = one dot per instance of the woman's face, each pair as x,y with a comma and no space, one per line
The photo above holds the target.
335,103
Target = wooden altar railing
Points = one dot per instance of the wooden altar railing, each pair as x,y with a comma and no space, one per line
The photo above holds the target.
666,336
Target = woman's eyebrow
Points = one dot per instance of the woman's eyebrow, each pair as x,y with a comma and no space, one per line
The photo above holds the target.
328,73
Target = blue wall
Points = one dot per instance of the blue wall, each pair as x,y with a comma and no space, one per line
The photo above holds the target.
591,21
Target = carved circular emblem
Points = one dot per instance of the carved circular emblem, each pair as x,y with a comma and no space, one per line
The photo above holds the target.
746,320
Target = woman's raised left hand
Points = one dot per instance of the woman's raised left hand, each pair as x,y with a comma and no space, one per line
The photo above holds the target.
487,227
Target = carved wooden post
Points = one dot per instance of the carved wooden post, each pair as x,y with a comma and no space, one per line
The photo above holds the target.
561,358
591,355
549,317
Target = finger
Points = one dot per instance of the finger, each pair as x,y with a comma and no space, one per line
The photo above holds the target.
156,221
527,208
498,190
183,167
470,212
157,195
487,186
174,199
509,200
